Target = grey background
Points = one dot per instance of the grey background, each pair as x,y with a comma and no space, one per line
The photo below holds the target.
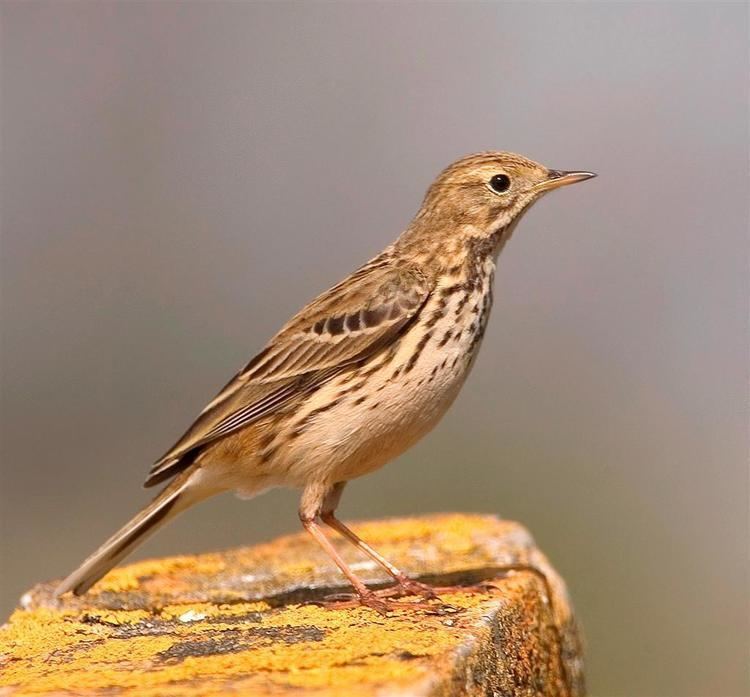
179,178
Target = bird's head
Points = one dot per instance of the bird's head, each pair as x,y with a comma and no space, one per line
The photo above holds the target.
484,195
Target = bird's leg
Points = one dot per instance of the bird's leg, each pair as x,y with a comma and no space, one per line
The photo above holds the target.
308,512
404,584
364,594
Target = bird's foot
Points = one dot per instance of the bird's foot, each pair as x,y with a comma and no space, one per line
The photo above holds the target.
409,587
406,586
383,605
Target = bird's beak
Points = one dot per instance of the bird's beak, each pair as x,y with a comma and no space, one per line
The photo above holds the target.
557,178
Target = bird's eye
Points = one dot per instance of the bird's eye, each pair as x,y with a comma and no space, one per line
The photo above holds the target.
500,183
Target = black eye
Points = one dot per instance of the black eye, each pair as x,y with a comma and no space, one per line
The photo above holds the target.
500,183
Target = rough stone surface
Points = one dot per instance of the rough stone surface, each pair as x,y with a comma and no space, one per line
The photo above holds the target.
241,622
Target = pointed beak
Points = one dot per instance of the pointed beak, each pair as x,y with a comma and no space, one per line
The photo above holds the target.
557,178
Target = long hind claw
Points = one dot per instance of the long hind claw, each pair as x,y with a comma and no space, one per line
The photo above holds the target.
405,587
382,604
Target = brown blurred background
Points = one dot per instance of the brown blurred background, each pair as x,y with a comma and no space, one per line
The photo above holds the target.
178,178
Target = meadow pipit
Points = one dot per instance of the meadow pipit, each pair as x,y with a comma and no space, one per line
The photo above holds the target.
358,375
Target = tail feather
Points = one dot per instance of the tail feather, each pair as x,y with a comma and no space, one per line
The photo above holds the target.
174,499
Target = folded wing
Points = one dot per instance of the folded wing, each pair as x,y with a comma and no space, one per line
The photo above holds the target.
354,320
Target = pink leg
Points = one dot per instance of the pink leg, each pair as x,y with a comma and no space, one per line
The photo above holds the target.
313,499
366,596
404,585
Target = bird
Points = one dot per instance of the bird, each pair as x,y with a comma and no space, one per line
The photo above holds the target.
357,376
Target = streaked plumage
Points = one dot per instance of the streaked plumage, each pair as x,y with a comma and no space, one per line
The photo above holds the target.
344,325
359,374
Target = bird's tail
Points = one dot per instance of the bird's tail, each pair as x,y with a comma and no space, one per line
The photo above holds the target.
180,494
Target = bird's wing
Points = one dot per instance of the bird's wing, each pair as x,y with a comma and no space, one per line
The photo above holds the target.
353,320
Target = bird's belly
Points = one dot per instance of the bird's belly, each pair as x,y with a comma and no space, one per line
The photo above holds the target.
361,420
375,424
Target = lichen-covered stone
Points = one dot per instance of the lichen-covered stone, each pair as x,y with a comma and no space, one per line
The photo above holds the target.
237,622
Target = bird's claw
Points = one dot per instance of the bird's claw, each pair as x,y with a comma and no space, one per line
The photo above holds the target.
407,586
383,604
386,600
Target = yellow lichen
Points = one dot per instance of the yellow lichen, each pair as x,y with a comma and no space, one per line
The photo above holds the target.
180,647
129,577
356,647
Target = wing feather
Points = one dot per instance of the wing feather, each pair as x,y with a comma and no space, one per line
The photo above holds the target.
355,319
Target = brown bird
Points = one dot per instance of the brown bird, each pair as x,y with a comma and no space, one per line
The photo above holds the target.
357,376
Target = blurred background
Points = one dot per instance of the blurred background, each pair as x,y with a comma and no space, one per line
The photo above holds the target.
178,178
